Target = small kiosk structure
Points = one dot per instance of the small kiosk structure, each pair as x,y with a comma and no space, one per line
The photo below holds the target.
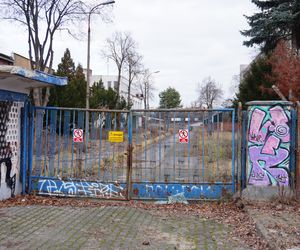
16,83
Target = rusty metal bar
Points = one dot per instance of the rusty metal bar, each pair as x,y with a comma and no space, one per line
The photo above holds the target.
129,172
129,159
82,109
297,172
182,110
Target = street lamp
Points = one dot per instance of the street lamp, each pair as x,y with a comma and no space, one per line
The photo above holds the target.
148,87
92,10
87,103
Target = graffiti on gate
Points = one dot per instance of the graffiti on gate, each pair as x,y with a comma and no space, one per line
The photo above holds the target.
81,188
191,191
7,144
268,145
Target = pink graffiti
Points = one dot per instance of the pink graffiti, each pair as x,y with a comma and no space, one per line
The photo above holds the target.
264,165
271,145
256,134
280,121
265,151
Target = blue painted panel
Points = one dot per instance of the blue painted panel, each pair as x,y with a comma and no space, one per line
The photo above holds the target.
66,139
154,191
52,139
12,96
72,188
40,76
191,191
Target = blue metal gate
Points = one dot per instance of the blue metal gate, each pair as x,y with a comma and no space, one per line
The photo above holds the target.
94,167
202,166
163,152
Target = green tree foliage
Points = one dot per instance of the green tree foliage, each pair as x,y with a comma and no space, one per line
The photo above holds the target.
256,83
66,66
105,98
169,98
277,19
74,94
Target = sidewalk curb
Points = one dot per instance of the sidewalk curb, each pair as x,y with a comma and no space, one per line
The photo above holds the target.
262,231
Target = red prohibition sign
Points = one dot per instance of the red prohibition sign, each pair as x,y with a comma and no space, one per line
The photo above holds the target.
78,135
183,135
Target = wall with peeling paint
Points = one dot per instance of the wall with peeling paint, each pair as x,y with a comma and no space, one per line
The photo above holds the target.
269,141
10,117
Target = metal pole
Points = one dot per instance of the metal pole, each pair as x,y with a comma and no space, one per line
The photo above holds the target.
239,146
88,75
88,63
147,88
87,103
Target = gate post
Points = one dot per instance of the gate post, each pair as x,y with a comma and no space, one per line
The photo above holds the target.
30,145
243,149
297,170
24,145
233,151
239,143
129,158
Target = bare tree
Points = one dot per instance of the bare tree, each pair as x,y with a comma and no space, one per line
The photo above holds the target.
209,92
42,18
118,48
134,68
147,87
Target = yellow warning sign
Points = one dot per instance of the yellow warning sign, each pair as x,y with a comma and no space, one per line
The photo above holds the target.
115,136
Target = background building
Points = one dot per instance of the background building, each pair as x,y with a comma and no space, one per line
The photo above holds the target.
111,81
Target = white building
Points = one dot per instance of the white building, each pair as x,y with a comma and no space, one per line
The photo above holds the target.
111,81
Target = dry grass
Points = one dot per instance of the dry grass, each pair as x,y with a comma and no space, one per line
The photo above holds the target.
214,152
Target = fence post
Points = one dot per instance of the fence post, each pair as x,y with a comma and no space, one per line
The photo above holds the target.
30,150
24,145
233,151
239,146
297,171
129,158
243,149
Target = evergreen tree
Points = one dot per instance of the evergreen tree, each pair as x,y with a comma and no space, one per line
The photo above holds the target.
67,66
256,83
277,19
76,91
169,98
74,94
105,98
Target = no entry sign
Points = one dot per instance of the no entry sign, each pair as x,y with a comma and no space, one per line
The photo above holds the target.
183,135
78,135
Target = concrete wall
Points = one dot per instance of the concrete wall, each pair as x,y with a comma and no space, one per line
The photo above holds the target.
268,148
10,138
269,145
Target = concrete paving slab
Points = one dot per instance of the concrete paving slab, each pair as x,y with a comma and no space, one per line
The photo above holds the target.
107,227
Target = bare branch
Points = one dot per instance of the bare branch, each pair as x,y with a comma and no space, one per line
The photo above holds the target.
209,92
118,49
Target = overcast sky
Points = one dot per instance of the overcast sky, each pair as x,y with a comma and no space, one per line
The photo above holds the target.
186,40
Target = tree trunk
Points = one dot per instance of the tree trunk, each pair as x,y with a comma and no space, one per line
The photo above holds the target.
129,88
119,82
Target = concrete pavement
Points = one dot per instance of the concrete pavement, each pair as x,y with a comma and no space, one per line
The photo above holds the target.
107,227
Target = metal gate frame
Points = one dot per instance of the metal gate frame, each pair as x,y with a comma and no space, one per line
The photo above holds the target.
113,189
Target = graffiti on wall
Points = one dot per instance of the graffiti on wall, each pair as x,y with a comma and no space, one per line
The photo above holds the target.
269,145
81,188
9,126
